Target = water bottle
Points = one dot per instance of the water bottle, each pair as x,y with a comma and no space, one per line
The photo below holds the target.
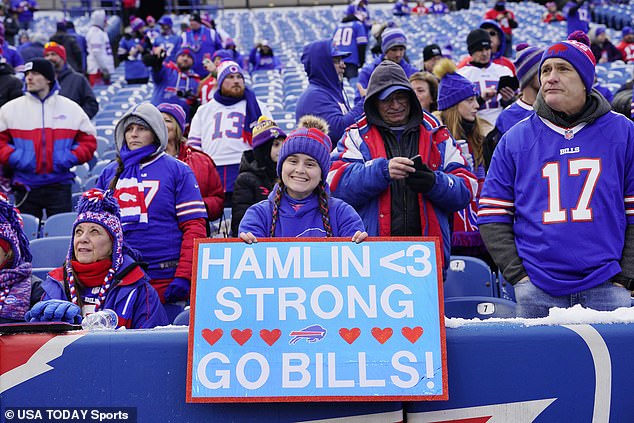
102,320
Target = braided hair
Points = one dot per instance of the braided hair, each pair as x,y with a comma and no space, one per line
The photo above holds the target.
324,207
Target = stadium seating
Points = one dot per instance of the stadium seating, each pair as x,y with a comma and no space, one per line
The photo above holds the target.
468,276
50,251
173,310
479,307
183,318
60,224
31,226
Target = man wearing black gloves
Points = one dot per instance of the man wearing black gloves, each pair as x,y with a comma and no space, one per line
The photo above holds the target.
376,170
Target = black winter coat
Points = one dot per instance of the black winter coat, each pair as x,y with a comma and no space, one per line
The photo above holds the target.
253,184
10,85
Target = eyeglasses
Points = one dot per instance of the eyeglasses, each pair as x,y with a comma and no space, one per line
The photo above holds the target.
51,44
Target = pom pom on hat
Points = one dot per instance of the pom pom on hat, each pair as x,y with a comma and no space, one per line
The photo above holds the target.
453,87
310,141
266,130
527,63
576,51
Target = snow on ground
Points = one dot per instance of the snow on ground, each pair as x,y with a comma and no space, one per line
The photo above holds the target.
557,316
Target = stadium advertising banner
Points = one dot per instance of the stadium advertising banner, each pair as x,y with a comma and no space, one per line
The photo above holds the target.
288,320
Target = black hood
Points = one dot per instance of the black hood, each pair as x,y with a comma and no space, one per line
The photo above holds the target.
387,74
6,69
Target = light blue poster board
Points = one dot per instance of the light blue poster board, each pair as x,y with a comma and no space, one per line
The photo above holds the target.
316,320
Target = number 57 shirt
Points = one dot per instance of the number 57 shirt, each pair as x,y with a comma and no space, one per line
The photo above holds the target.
569,194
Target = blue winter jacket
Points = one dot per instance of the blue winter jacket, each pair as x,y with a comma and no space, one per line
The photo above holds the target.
300,218
324,96
131,296
366,71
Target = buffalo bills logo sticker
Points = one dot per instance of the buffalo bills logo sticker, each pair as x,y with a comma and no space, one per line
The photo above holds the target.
311,334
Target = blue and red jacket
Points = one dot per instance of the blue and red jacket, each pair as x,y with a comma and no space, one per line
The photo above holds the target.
359,175
131,296
42,139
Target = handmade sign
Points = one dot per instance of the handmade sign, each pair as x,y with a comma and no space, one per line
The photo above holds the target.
317,320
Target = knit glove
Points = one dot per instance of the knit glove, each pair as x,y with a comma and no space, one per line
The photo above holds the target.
177,290
54,311
422,180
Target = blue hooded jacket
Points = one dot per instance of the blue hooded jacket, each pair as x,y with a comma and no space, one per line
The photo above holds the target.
324,96
501,37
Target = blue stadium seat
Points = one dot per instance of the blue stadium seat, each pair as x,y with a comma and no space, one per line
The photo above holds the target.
479,307
101,164
182,319
60,224
173,310
468,276
90,182
50,252
31,226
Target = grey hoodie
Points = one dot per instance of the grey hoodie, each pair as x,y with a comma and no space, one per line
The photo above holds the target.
148,113
386,74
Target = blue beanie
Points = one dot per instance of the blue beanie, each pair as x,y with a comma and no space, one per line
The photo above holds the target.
527,62
309,141
576,50
453,87
392,37
176,111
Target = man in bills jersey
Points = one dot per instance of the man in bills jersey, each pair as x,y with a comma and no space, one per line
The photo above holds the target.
222,128
557,207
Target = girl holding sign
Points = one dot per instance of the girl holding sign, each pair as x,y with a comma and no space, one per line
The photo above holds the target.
300,204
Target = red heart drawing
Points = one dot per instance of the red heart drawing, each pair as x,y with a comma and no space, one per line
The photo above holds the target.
382,335
270,336
212,336
412,334
241,336
349,335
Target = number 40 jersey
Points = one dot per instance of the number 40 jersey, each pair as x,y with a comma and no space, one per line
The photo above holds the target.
569,194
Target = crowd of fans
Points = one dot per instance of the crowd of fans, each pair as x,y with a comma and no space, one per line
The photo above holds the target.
526,150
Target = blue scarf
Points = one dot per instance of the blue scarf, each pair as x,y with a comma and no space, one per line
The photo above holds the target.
253,111
129,189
